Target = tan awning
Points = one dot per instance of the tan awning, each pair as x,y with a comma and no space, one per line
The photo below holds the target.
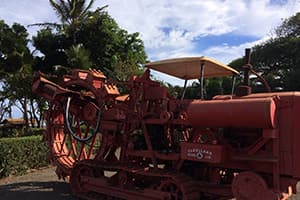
189,68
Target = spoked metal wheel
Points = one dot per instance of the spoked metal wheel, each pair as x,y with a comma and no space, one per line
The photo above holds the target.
73,121
65,148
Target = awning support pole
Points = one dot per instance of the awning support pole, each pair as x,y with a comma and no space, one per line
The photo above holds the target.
201,79
184,89
233,84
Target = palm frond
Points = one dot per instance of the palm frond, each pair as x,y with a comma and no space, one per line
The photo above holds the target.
101,9
60,9
46,24
88,6
66,8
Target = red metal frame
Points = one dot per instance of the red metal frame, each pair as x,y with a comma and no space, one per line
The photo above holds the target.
150,145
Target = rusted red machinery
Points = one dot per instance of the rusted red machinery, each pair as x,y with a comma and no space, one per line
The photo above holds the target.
146,144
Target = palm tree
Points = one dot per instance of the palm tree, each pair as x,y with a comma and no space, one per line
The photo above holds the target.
72,13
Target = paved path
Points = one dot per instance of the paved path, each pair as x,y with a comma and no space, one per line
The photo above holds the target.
42,184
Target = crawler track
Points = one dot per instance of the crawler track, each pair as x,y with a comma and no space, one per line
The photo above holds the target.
90,180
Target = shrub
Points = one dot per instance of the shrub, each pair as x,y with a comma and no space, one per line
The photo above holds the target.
10,132
17,155
34,131
21,132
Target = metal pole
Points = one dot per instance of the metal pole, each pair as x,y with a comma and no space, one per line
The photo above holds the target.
184,89
246,69
232,84
201,79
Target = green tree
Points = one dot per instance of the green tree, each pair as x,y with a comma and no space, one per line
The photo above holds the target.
15,55
14,52
52,46
102,44
112,47
16,70
278,59
290,27
62,43
78,57
17,88
72,14
211,87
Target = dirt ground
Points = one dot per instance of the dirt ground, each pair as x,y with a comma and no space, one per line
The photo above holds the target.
41,184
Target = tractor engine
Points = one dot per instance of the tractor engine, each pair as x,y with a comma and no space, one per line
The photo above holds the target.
147,144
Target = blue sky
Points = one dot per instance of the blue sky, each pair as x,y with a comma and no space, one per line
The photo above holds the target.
220,29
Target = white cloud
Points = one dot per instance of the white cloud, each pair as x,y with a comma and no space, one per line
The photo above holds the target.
227,53
185,20
27,12
188,20
169,27
260,17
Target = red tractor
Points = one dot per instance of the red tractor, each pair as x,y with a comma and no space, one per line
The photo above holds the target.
147,144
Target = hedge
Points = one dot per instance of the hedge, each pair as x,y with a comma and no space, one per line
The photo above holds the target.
20,132
18,155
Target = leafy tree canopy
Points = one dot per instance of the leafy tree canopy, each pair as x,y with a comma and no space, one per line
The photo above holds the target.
52,45
290,27
278,59
14,52
102,44
110,46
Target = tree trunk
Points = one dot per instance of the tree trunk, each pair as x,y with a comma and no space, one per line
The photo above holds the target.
25,114
35,120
